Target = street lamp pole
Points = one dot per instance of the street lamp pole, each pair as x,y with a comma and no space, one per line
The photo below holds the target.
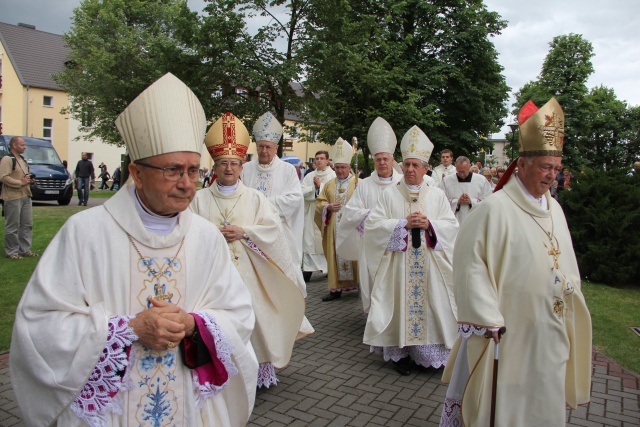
514,127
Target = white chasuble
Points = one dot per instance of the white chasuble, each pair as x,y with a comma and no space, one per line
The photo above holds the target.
350,230
313,258
157,396
342,273
264,262
506,275
279,183
412,299
477,189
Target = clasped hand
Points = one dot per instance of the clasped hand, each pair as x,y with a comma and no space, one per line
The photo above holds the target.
232,232
161,324
464,199
417,220
334,207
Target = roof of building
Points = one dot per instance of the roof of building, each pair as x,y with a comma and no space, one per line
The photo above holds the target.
35,55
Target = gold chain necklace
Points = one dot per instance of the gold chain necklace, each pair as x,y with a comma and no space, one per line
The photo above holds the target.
554,251
159,294
225,221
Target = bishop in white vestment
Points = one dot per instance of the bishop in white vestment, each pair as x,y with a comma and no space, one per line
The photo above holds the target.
350,231
159,335
408,243
464,189
278,181
515,268
258,248
313,258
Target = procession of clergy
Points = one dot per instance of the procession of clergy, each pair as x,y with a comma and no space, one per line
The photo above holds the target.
204,296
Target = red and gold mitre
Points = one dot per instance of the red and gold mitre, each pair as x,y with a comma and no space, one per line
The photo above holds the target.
227,138
541,129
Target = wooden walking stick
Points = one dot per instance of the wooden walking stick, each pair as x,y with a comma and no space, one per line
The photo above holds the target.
494,385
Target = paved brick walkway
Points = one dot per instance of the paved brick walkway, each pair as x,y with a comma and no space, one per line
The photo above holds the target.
333,380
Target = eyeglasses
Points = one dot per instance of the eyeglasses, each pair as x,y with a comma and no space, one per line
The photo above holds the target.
225,164
175,174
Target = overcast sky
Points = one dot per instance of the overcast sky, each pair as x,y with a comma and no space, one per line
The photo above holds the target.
612,27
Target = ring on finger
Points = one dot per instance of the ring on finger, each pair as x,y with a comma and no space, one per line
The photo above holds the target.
171,345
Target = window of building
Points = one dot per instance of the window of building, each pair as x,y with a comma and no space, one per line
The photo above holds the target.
47,129
217,93
242,91
47,101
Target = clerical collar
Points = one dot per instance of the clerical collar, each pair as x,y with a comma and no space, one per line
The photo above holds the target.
542,201
389,179
268,165
227,189
467,179
414,187
157,224
323,172
342,181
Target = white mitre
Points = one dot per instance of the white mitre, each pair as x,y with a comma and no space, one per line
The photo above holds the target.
381,138
342,152
165,118
416,145
267,128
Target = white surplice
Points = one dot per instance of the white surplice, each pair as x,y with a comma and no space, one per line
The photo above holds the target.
89,273
412,301
313,258
279,182
350,231
441,171
505,276
478,190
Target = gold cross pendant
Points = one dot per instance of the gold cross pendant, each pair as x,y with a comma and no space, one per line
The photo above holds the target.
554,253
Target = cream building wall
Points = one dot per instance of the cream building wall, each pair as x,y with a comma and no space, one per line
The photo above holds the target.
101,152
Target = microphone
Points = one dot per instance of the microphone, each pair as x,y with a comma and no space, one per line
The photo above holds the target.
415,237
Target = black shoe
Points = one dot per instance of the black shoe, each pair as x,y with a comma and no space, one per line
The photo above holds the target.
332,296
79,203
403,366
307,275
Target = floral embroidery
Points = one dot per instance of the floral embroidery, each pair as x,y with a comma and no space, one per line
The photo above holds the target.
416,294
263,183
99,395
255,248
267,375
399,239
558,307
452,413
465,330
435,355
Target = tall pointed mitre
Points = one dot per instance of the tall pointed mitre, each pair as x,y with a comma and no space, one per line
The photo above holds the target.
416,145
165,118
381,138
267,128
541,130
342,152
227,138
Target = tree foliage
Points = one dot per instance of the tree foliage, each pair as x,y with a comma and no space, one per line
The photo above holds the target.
412,62
119,47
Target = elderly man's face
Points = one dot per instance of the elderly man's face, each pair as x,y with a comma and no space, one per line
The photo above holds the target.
159,194
446,158
383,163
227,171
463,169
342,170
266,151
413,171
538,176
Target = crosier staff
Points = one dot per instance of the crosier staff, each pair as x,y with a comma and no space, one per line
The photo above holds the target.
354,144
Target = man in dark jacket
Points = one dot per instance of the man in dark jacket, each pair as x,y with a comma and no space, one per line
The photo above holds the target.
85,176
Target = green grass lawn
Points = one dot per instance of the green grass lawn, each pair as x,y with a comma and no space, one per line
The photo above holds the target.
613,310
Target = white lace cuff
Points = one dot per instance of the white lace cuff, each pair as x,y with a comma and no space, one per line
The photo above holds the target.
99,394
266,375
398,240
223,351
465,330
255,248
360,227
325,212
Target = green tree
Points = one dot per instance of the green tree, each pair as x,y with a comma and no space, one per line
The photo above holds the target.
564,75
118,48
412,62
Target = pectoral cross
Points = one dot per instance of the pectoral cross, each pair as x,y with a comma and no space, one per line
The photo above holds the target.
158,290
554,253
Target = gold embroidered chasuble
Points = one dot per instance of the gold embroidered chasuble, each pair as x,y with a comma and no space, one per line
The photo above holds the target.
265,265
412,297
343,274
506,277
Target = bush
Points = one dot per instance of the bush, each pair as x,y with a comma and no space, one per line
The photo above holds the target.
603,212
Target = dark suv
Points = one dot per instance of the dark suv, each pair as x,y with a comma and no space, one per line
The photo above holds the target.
53,181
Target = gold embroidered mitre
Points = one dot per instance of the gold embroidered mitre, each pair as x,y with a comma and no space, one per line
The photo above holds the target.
381,138
342,152
227,138
416,145
165,118
267,128
541,130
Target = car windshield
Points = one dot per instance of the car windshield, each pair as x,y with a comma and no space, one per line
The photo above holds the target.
39,155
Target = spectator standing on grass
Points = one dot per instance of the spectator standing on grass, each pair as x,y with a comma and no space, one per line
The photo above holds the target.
16,193
104,175
85,176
